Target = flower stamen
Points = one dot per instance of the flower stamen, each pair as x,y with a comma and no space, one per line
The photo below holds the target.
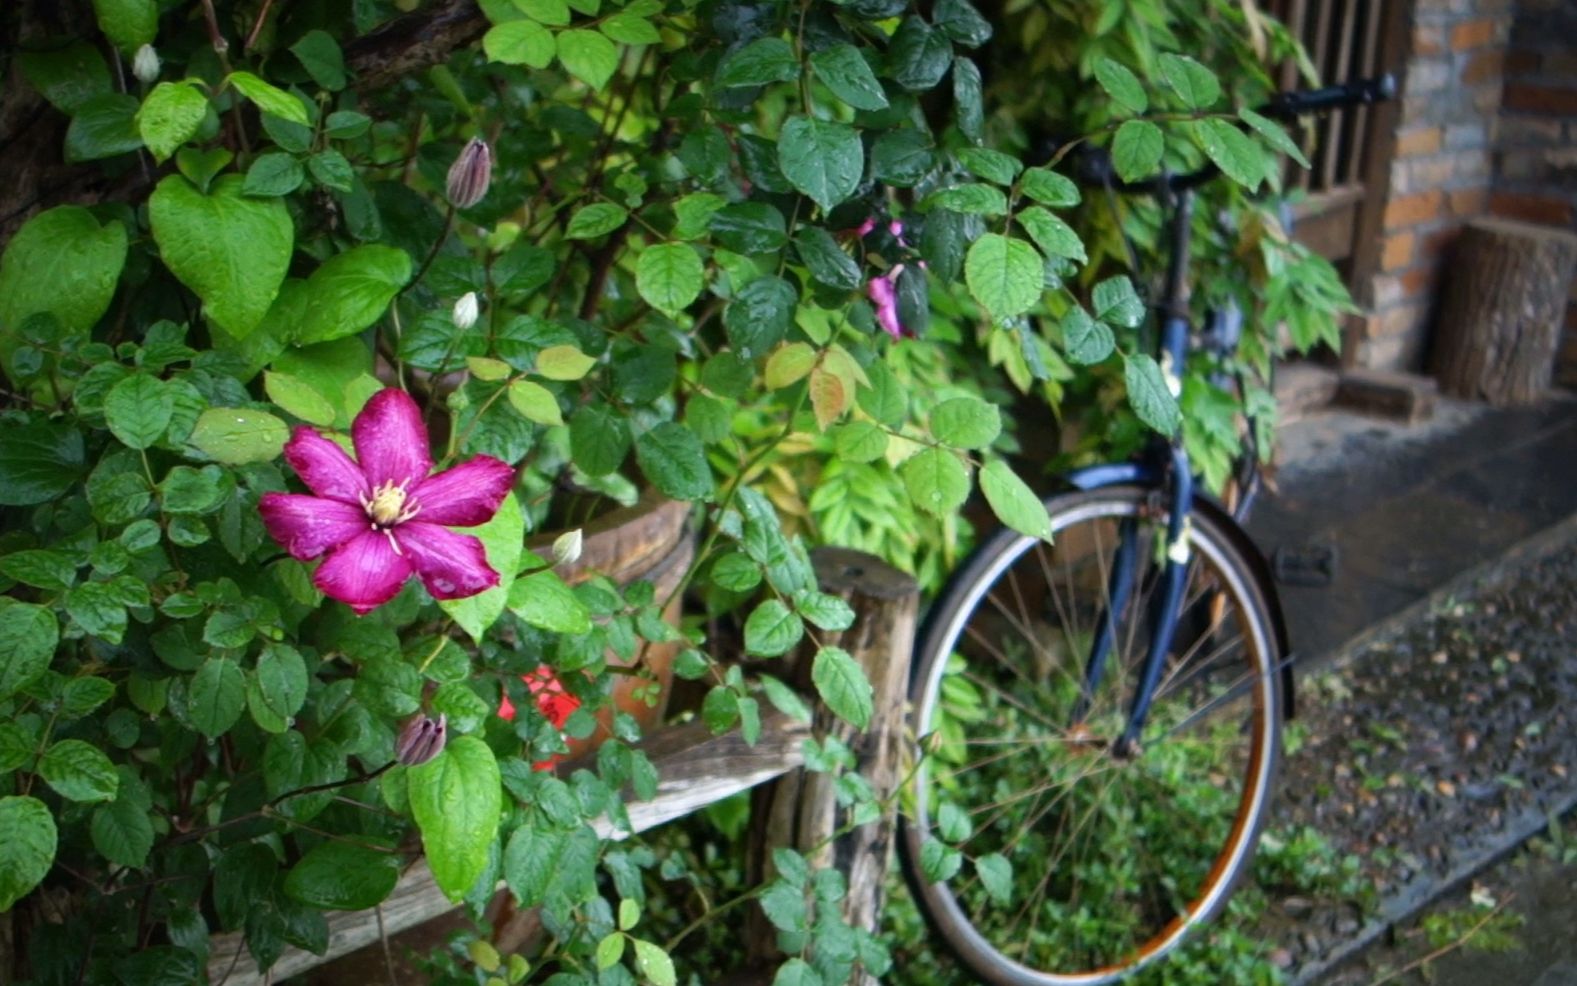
389,506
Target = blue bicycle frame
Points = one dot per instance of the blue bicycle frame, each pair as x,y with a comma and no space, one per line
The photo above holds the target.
1164,466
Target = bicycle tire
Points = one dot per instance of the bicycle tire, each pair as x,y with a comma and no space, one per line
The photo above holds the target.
1243,679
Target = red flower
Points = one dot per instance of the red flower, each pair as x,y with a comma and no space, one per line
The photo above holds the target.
555,704
381,518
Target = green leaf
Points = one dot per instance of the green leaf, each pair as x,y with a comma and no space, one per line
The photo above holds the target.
1005,275
122,832
535,402
231,250
103,127
1122,85
238,436
1054,237
1150,396
736,572
129,24
320,55
968,99
902,157
826,260
295,396
936,480
519,42
672,457
61,262
588,56
554,12
966,422
1137,150
1014,503
842,685
216,696
626,28
279,683
996,876
39,461
186,490
138,410
332,170
1274,135
1116,303
564,363
918,56
972,199
40,568
599,439
1232,151
456,798
653,963
502,538
28,849
669,277
758,63
939,861
170,116
1085,340
71,78
797,972
789,365
342,876
750,227
1049,188
860,441
959,20
772,629
824,610
760,315
1194,84
596,220
351,291
28,636
823,160
846,72
543,600
991,165
77,770
269,98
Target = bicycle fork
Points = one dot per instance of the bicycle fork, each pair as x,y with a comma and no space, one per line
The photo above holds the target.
1163,625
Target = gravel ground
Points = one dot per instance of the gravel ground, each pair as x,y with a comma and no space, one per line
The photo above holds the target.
1433,749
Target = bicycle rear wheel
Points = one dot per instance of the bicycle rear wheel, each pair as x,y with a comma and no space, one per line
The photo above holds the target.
1075,865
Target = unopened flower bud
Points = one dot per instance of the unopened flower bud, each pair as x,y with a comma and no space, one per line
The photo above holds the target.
465,311
470,174
421,740
145,65
567,547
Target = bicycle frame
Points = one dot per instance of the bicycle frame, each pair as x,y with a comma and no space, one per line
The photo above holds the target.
1165,465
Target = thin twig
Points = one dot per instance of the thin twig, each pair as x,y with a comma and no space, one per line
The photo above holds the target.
257,26
1449,947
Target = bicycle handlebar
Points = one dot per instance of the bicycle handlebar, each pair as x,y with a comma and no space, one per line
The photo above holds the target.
1093,165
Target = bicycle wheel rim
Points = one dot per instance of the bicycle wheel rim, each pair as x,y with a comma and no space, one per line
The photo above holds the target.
954,908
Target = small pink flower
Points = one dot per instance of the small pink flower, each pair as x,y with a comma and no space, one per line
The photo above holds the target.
381,518
865,227
883,292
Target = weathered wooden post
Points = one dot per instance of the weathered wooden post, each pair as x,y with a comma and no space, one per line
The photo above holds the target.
1504,304
800,810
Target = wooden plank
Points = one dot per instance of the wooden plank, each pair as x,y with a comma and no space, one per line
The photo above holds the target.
1320,46
1335,145
1368,67
1329,232
694,769
801,811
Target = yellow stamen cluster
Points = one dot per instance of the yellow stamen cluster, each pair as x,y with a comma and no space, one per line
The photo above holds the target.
388,506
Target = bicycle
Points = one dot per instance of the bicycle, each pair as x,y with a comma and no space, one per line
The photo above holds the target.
1136,666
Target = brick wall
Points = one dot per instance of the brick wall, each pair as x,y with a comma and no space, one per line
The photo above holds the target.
1442,170
1535,148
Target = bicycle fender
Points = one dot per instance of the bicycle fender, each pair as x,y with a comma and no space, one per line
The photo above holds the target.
1264,581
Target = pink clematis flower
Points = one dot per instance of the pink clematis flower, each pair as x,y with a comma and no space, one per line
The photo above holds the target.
883,292
381,518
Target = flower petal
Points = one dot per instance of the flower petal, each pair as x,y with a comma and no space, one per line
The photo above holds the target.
467,495
391,441
325,467
307,526
451,566
364,572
